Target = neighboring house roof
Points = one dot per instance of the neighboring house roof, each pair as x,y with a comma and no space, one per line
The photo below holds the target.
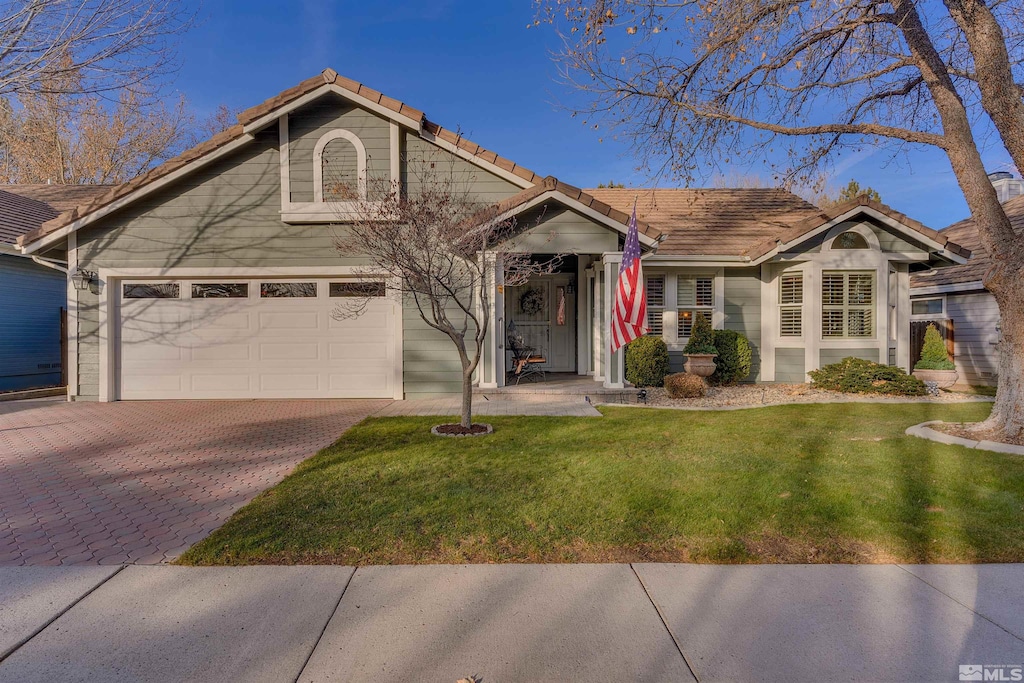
24,208
965,232
282,100
747,222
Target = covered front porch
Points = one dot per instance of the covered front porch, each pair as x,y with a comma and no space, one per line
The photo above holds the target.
561,317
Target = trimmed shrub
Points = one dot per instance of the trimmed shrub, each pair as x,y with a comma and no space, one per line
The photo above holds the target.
702,337
933,353
859,376
685,385
647,362
734,358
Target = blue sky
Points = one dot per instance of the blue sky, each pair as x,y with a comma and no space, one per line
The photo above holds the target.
474,65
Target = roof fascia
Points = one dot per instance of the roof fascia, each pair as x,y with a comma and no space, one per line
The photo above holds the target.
273,115
578,207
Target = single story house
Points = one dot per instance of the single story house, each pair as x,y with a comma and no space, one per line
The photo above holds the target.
215,275
956,300
32,292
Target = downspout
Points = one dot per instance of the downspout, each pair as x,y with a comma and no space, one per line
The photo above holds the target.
55,264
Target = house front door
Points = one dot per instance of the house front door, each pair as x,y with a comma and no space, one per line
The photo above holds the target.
544,312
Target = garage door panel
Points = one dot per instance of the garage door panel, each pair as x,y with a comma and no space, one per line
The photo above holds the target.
289,321
153,350
293,352
286,347
221,352
152,383
372,319
361,382
211,323
340,351
221,383
290,382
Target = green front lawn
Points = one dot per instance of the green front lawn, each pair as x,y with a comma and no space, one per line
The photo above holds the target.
807,483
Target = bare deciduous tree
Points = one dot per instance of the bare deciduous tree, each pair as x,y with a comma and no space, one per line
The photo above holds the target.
441,244
104,44
65,138
698,82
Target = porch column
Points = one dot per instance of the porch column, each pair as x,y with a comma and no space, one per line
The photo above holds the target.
614,361
597,328
903,316
492,361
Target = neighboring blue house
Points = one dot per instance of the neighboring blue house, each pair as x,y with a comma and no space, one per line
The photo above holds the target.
32,296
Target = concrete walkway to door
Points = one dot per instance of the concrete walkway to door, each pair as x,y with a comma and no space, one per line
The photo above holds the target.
139,482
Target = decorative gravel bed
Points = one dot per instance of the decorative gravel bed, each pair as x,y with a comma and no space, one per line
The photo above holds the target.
776,394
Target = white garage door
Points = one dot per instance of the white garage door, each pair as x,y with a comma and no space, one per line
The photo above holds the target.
266,338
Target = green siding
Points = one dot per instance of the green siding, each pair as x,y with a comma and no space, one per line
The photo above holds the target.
418,153
563,232
228,215
308,124
789,366
743,310
830,356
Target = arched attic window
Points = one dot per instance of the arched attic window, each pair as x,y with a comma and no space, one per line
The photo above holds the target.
339,167
850,240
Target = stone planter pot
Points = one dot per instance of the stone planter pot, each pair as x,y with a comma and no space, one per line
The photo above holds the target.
700,364
944,379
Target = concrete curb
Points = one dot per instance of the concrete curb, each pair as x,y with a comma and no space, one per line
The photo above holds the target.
827,401
922,431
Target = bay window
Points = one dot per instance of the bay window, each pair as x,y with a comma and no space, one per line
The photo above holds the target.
847,304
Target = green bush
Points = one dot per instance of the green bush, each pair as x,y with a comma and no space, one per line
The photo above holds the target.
647,362
933,353
702,337
859,376
685,385
734,358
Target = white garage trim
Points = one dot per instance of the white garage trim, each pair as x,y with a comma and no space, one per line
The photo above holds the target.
111,278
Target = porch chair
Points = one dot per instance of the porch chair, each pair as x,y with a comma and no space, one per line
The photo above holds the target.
526,360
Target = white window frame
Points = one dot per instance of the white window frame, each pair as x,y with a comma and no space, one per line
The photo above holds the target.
797,306
318,162
846,306
651,308
941,315
707,310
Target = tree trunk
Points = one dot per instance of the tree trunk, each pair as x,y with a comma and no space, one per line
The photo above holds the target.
1008,411
995,231
467,399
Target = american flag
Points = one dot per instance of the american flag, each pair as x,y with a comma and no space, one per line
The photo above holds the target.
629,315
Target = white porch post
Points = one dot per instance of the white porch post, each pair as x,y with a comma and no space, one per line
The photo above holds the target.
493,361
903,316
614,361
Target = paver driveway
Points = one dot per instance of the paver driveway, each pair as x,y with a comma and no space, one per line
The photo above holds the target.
139,482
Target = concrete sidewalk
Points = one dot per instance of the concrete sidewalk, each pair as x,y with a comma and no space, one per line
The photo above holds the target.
642,622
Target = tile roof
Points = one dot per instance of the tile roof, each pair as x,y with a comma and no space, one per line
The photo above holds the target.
965,232
720,222
585,197
327,77
822,216
747,222
24,208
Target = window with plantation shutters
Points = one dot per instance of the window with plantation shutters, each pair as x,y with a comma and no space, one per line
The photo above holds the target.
694,294
791,300
655,304
848,304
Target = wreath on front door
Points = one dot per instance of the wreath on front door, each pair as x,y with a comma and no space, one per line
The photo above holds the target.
532,302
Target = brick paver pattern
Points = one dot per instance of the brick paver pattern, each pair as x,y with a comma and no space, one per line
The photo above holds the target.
140,482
